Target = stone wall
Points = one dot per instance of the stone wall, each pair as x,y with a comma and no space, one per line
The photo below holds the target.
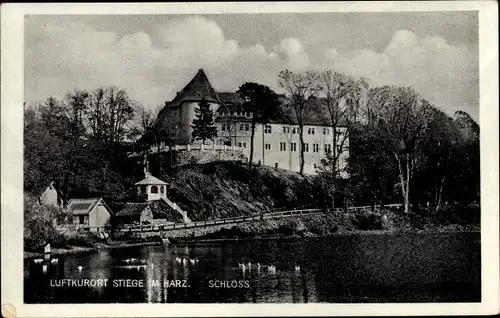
205,156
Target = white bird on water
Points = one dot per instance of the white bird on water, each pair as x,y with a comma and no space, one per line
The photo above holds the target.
80,268
38,260
271,268
178,260
297,268
54,260
192,261
44,268
184,261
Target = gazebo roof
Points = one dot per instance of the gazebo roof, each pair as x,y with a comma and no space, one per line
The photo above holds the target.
150,180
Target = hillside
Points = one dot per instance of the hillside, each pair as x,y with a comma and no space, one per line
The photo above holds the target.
225,189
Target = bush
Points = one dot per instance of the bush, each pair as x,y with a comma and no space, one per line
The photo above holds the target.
367,221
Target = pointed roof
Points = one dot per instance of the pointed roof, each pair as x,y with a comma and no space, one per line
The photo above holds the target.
133,208
197,89
150,180
84,206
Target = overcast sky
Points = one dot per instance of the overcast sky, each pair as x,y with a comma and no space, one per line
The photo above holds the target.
154,56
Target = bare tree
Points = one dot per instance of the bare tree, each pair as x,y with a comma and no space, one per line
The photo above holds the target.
341,98
300,89
402,117
110,109
144,120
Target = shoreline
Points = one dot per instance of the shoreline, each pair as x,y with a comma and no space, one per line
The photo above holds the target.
83,249
315,236
118,244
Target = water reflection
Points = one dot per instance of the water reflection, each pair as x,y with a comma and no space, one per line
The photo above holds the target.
382,268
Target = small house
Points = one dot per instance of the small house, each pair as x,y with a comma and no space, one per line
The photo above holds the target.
135,212
152,187
51,197
89,213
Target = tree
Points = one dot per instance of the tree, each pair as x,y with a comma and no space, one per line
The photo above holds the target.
402,117
341,97
263,103
203,125
300,89
110,109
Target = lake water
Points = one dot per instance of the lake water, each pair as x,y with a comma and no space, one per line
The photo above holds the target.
348,269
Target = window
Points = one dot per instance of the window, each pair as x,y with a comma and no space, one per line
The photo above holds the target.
154,189
293,130
247,126
242,127
267,146
315,166
293,146
328,148
315,148
162,189
306,147
282,146
244,145
276,165
239,144
286,129
267,129
143,189
310,131
223,127
81,219
326,131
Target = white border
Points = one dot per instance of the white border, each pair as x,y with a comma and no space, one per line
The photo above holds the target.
12,37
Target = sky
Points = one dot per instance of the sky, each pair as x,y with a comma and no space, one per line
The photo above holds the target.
152,57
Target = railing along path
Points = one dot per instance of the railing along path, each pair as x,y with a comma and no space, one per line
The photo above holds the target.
240,219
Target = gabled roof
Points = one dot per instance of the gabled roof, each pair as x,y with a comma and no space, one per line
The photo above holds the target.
132,209
85,206
150,180
161,210
197,89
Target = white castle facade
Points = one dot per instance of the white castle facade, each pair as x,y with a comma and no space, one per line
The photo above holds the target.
276,144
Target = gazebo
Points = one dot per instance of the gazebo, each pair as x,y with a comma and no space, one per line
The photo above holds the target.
154,188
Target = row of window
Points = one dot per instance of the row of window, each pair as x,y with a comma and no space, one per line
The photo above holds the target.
243,127
315,147
286,129
245,114
296,130
154,189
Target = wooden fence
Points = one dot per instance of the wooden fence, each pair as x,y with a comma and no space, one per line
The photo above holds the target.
240,219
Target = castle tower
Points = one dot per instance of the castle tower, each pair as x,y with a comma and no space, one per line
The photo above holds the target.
186,101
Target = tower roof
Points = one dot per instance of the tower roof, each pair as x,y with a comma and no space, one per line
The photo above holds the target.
197,89
150,180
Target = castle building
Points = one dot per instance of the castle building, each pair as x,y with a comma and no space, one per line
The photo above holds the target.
276,144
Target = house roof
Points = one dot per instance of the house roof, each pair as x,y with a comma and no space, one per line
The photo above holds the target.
197,89
132,209
85,206
161,210
150,180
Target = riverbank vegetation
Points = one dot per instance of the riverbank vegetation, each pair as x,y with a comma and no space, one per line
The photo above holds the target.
401,149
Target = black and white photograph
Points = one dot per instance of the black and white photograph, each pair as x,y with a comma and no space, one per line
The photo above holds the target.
258,157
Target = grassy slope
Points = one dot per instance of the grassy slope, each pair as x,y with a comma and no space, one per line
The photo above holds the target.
226,189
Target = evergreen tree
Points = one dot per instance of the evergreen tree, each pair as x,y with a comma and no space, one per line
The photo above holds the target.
203,125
